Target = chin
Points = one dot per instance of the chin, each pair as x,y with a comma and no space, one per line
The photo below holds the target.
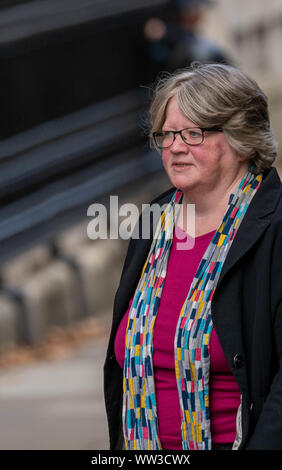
183,184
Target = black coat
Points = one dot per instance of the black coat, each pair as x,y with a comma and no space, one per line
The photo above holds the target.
247,316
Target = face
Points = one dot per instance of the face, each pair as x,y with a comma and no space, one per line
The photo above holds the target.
202,167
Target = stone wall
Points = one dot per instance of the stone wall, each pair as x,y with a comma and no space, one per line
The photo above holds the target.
42,291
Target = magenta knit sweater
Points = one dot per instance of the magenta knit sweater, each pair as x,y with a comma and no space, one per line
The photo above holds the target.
224,391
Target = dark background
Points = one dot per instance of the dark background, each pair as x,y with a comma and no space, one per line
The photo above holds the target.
53,73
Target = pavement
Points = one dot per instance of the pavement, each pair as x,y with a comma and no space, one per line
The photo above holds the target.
57,404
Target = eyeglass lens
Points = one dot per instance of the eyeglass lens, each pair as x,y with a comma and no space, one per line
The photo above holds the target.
192,136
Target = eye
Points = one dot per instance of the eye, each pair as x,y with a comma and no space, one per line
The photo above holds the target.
192,136
165,133
194,133
163,139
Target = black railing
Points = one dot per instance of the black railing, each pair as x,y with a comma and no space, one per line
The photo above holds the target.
50,174
59,56
71,76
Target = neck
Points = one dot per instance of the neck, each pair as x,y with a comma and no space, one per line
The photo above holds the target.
207,201
210,205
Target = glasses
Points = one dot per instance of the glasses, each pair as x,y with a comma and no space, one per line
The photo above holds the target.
191,136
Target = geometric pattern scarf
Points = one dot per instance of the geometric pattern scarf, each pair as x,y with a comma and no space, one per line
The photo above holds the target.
193,331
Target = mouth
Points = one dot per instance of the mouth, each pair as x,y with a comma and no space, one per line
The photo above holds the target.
180,165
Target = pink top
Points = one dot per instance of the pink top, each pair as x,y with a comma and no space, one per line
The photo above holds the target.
224,391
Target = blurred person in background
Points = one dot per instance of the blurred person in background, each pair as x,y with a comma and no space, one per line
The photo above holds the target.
194,357
176,43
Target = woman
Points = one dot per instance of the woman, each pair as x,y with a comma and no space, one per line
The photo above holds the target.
194,355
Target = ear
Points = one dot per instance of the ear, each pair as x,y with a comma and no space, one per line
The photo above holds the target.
244,158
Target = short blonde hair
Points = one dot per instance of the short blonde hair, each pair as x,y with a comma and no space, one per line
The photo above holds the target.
222,96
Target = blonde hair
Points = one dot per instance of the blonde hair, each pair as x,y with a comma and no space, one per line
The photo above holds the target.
223,96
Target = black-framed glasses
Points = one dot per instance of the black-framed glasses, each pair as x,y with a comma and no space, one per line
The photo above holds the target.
191,136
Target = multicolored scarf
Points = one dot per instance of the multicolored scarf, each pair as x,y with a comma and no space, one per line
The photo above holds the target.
192,362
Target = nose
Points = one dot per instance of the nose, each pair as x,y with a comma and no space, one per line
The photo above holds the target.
178,144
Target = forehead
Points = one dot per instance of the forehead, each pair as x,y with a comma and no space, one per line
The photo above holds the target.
174,116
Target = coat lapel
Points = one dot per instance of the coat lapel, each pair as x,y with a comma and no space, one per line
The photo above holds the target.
256,221
229,326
